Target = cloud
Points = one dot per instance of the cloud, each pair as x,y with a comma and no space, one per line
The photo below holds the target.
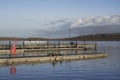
86,21
80,26
56,22
60,28
96,21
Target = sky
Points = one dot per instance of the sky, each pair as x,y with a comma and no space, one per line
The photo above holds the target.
58,18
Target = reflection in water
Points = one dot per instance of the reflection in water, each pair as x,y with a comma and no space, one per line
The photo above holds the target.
56,62
12,69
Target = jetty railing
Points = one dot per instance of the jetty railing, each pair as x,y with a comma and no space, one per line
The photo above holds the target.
24,48
48,53
6,45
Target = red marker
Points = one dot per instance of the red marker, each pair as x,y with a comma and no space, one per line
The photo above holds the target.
13,49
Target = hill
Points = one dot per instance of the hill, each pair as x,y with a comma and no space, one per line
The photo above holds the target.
99,37
91,37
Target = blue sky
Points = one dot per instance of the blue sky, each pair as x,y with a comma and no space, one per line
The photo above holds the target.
33,18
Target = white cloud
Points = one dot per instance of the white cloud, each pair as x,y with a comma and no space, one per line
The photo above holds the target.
87,25
96,20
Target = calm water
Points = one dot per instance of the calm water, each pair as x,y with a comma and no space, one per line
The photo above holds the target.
94,69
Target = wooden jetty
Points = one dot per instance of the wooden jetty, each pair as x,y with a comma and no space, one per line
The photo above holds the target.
22,53
50,58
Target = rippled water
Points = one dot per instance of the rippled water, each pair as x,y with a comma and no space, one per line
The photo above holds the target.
94,69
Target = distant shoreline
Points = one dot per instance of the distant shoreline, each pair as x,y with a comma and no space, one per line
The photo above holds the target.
90,37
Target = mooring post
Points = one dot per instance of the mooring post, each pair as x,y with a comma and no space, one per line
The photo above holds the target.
23,44
9,44
53,45
58,44
76,51
76,44
95,47
47,44
84,46
6,46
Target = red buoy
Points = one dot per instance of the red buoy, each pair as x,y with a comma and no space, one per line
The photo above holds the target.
13,50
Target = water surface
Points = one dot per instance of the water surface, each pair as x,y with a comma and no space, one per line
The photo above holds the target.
94,69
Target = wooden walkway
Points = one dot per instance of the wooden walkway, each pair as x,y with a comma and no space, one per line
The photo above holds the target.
50,58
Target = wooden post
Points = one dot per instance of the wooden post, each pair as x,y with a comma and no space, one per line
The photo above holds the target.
9,44
95,47
76,44
53,44
48,45
23,44
58,44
